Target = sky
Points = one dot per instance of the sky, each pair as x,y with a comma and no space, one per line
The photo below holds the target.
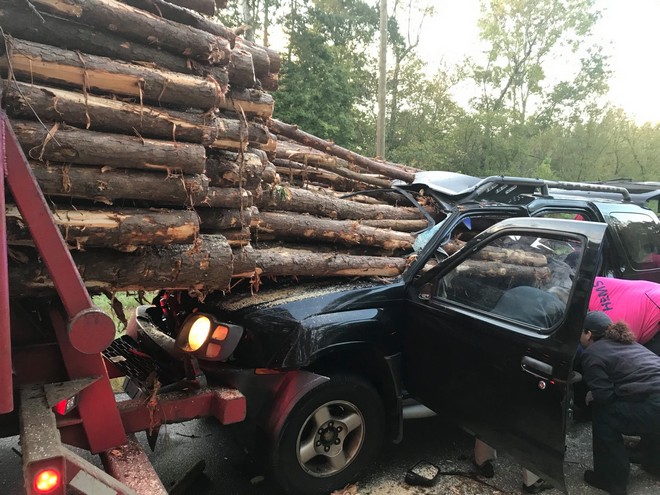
629,31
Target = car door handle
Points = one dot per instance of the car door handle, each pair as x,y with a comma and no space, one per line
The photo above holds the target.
537,368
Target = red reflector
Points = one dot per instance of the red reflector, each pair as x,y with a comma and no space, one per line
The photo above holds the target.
47,480
220,332
60,408
212,350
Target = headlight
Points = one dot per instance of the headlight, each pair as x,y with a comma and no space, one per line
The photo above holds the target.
202,335
199,333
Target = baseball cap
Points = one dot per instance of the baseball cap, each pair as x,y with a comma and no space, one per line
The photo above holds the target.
597,322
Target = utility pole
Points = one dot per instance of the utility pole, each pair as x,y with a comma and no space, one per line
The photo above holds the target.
382,88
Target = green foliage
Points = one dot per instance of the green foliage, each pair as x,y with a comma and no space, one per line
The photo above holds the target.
326,80
523,119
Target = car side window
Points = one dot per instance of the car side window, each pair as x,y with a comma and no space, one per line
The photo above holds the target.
523,278
640,235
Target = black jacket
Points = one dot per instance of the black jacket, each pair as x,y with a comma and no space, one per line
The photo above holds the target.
616,371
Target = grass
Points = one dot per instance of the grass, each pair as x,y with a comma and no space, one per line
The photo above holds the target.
127,301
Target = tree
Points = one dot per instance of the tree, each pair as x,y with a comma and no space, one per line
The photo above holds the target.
328,80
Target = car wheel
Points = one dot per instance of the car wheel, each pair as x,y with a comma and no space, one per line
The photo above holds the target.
329,436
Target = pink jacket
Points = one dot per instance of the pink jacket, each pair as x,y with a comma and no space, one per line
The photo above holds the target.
637,302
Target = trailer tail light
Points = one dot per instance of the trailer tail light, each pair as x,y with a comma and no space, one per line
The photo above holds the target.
66,406
202,335
47,480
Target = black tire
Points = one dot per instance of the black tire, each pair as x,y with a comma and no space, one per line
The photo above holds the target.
320,421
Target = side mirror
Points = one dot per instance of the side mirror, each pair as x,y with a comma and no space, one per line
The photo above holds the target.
425,292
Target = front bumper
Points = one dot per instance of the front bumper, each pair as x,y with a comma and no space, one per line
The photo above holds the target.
261,387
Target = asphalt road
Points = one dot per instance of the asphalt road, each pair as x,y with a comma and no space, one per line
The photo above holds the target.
229,471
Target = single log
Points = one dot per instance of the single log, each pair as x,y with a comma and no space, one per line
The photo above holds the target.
300,227
500,255
270,81
203,266
241,69
234,169
144,27
249,102
301,263
400,225
214,219
108,186
206,7
162,8
290,150
226,197
300,175
244,262
123,229
274,58
103,114
303,201
240,132
22,22
515,274
237,237
36,62
396,172
69,144
260,59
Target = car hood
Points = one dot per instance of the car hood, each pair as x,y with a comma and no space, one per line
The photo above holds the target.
287,326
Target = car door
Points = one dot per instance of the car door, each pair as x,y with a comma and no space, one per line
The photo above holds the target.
492,332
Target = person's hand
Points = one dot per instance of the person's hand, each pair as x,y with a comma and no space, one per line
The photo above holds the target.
589,398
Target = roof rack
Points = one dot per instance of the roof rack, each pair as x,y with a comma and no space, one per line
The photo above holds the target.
489,183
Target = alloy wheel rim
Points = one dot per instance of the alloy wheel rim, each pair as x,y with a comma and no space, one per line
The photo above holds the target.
330,438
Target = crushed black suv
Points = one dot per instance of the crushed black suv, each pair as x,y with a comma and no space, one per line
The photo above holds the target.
482,328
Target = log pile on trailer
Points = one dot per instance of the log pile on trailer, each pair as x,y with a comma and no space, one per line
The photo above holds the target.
150,129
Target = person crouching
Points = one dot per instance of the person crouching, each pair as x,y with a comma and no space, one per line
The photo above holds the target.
624,383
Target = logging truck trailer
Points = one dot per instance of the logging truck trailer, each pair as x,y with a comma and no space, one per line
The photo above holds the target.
55,387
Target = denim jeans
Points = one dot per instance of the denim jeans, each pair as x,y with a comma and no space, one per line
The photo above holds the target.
610,422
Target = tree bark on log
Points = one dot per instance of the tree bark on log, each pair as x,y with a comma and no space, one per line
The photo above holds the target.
106,187
399,225
270,82
36,62
236,238
350,233
241,134
161,8
103,114
274,58
248,101
73,145
303,201
260,59
22,22
227,197
302,263
244,262
144,27
292,132
241,69
527,275
300,175
206,7
214,219
204,266
123,229
500,255
289,150
227,170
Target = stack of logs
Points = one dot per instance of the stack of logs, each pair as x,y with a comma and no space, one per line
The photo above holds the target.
149,128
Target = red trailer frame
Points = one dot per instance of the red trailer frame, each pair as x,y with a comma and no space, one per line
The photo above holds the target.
99,423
